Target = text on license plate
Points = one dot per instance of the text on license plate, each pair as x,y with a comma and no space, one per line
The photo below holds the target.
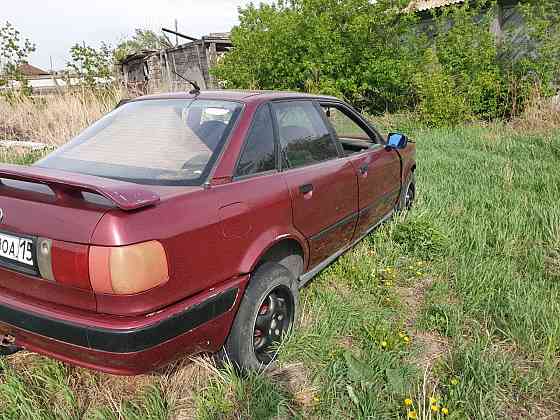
16,249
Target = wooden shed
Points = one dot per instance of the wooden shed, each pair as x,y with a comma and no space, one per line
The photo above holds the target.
153,70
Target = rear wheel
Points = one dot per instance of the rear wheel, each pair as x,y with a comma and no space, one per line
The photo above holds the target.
265,316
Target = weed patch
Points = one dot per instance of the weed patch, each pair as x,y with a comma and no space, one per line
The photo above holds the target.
454,306
419,236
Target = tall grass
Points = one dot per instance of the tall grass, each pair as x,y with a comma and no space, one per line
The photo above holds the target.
475,266
54,119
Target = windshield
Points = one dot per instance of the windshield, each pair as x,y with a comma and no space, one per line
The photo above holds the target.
161,142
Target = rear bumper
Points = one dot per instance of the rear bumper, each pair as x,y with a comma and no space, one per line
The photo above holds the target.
126,345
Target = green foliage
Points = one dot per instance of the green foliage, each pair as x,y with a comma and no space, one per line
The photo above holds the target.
462,77
442,313
483,373
419,235
435,105
485,75
94,66
495,302
374,55
143,39
14,52
231,395
350,48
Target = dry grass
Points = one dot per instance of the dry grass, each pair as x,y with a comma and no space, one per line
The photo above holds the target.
541,116
295,378
54,119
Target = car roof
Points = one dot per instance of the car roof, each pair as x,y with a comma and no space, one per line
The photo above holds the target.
246,96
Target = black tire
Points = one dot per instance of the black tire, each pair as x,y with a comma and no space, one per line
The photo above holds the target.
8,350
274,288
408,194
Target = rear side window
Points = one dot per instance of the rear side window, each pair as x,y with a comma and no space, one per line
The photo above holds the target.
258,154
304,137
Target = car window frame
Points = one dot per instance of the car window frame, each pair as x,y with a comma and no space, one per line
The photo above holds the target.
275,139
355,116
313,101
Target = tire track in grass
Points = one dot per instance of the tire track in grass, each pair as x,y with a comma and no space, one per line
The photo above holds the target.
432,345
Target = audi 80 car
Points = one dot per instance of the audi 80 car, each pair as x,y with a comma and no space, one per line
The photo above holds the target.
187,223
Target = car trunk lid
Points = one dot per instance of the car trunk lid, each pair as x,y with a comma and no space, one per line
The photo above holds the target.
64,207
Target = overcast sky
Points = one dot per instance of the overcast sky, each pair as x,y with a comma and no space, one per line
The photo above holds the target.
55,25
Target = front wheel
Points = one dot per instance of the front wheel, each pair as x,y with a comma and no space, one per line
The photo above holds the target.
266,315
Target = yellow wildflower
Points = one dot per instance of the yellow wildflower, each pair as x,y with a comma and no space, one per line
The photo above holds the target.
433,400
408,402
406,340
419,263
401,334
434,408
418,273
444,411
383,344
454,381
412,415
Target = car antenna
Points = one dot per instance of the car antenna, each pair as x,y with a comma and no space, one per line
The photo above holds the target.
196,88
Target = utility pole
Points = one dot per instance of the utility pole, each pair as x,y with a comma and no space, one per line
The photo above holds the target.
176,30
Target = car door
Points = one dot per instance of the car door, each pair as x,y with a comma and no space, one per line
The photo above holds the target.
378,168
323,187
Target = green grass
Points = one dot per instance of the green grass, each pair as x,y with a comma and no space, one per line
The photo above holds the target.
481,250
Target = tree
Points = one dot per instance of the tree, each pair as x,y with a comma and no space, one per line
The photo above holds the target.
143,39
377,56
93,66
358,49
14,51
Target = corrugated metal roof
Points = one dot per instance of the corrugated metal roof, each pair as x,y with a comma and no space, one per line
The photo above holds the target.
420,5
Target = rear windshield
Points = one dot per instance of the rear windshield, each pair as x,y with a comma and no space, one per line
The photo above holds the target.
159,142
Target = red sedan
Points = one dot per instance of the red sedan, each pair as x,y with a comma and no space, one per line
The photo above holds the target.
187,223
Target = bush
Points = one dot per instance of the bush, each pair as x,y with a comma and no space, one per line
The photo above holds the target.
375,56
352,48
420,237
435,105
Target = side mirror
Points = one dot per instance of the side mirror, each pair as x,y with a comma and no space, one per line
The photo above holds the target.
397,141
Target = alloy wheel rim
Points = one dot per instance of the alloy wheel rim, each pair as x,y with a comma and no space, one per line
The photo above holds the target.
409,197
273,321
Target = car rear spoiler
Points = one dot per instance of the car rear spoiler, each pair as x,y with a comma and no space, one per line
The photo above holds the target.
125,195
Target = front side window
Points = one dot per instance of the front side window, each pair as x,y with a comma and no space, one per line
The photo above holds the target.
160,142
258,154
304,137
345,127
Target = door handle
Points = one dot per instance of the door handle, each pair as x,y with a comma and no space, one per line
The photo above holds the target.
364,169
306,188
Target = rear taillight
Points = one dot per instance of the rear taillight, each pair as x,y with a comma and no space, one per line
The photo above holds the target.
63,262
128,269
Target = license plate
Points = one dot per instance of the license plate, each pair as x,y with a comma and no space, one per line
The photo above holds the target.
16,249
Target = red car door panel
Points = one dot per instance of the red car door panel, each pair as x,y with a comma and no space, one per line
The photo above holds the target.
323,186
378,169
379,185
326,214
